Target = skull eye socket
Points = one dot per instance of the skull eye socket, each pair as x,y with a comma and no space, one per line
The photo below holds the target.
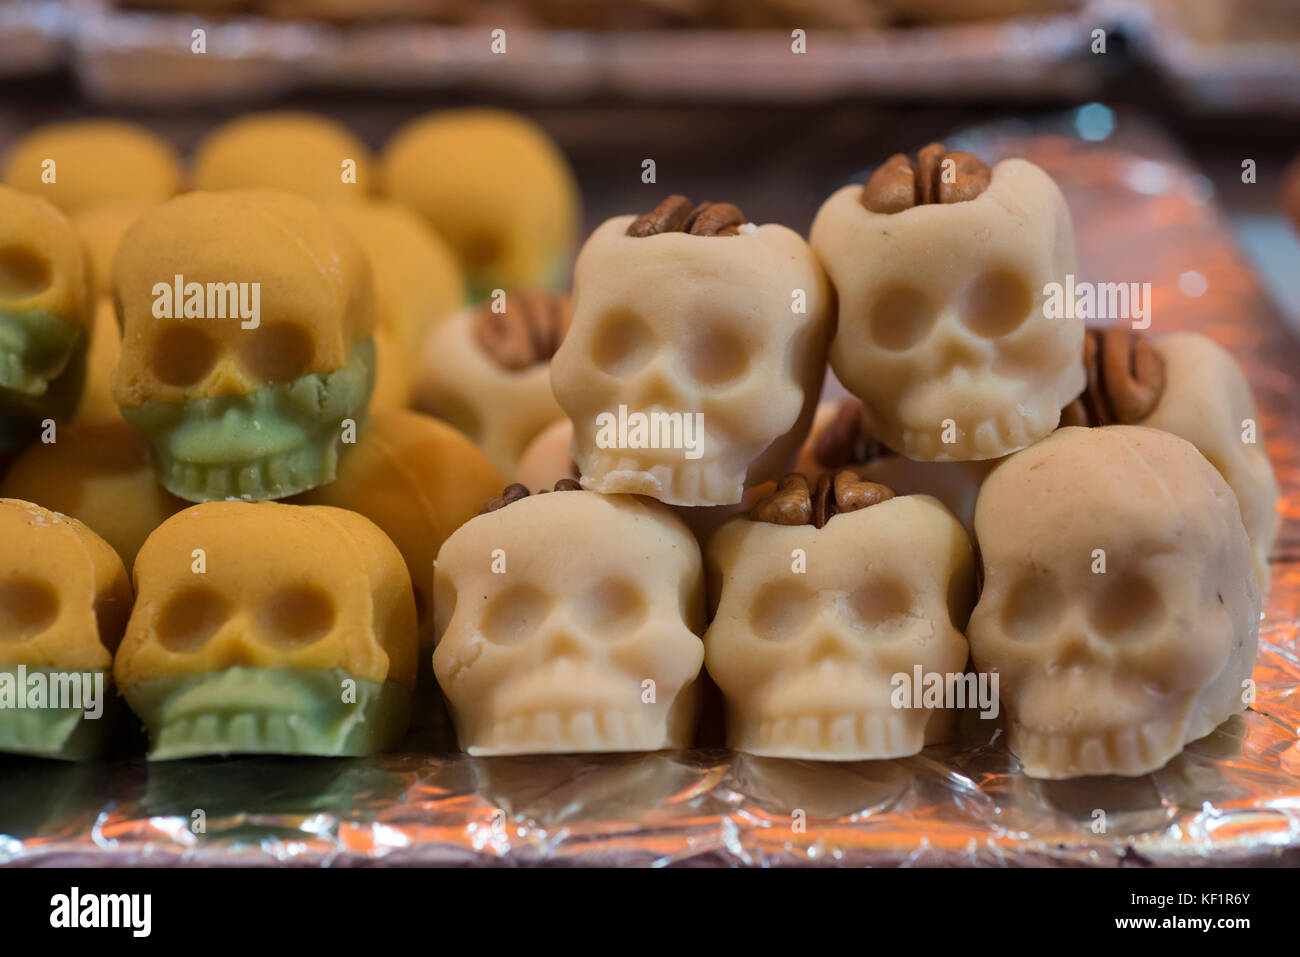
182,355
23,273
996,303
27,607
716,355
901,316
623,343
1126,607
879,601
1034,605
279,352
190,618
514,614
611,609
297,616
781,609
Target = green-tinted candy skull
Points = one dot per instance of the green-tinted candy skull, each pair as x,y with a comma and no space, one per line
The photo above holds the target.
246,353
44,316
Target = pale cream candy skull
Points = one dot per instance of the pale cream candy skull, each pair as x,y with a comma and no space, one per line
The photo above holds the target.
682,324
942,331
806,661
501,410
1206,400
1112,672
599,595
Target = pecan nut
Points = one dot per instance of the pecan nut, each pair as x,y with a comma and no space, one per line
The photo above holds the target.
515,491
677,214
796,503
848,439
898,184
790,504
1126,377
528,332
844,490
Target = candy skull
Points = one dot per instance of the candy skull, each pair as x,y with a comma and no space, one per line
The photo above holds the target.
696,354
269,628
1186,384
814,625
487,372
1119,607
942,328
598,652
64,600
246,352
44,316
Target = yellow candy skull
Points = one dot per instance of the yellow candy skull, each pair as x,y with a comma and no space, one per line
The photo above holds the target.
246,351
64,601
252,619
44,316
568,621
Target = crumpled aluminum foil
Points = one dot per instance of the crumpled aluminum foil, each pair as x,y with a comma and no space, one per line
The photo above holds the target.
1231,798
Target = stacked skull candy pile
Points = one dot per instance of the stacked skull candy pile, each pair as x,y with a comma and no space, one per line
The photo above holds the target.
710,335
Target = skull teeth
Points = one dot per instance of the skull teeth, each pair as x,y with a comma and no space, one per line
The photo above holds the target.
1131,750
856,736
682,483
558,732
275,476
988,439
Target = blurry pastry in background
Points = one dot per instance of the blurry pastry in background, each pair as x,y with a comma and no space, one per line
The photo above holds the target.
950,11
98,473
809,14
97,403
45,311
487,371
304,153
1291,192
622,14
496,187
79,163
101,226
247,351
418,282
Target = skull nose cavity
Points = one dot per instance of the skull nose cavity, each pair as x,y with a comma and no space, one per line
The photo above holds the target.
829,647
1075,650
564,644
662,395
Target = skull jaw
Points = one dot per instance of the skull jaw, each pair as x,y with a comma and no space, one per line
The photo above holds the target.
1005,430
272,443
844,735
578,730
685,482
63,734
269,711
34,389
